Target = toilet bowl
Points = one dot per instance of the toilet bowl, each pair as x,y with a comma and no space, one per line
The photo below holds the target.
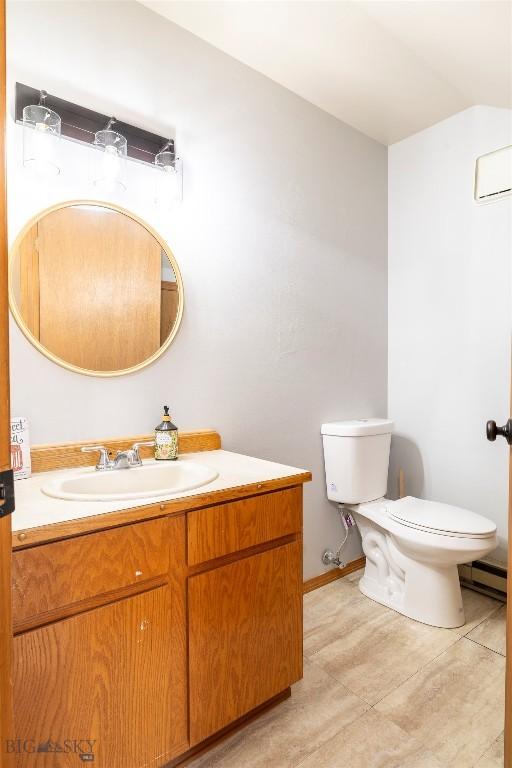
412,546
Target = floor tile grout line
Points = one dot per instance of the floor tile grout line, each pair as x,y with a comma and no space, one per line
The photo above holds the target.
453,630
341,729
358,695
486,618
482,645
424,666
420,742
322,746
343,685
457,638
486,750
420,669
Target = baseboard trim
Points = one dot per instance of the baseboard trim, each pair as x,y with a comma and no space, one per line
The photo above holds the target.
216,738
336,573
486,577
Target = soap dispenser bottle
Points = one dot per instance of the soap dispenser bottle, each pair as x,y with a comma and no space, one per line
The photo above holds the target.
166,438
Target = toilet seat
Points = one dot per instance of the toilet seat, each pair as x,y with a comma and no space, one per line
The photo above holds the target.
441,519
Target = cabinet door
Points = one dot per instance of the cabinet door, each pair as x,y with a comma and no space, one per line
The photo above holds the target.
245,636
110,675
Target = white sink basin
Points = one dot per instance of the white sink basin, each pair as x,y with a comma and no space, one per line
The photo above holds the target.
135,483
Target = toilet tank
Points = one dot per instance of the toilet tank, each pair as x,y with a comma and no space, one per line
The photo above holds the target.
356,456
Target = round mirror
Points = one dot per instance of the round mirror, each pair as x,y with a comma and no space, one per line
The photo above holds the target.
94,288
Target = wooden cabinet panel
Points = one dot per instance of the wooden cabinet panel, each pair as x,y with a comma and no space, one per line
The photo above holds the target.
225,528
112,675
245,636
55,575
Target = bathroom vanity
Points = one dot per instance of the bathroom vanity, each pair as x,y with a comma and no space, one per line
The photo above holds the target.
149,628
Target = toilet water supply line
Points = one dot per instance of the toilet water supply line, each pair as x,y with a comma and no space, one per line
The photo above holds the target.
333,558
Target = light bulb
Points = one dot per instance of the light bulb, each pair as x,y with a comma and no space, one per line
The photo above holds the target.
111,160
41,132
169,179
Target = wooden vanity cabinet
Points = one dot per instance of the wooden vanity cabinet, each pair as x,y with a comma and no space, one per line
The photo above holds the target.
245,636
244,607
105,676
100,647
150,637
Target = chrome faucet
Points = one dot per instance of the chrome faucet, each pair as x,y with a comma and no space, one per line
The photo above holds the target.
123,460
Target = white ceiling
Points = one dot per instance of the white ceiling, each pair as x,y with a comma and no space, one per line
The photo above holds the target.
388,68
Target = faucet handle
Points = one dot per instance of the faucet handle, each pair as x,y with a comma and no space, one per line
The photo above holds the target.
135,448
103,460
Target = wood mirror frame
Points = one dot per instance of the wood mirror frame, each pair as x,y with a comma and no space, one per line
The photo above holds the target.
22,323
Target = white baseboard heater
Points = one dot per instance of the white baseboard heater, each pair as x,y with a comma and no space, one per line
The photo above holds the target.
488,578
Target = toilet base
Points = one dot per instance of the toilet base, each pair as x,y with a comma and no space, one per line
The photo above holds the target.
426,591
439,606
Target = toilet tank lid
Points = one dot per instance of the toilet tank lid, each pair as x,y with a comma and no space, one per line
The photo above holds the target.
358,427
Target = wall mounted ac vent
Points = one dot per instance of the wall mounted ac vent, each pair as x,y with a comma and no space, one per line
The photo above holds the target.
493,175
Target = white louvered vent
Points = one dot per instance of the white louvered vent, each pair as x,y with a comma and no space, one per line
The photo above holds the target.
493,175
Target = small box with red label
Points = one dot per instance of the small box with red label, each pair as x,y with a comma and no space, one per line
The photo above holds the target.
20,448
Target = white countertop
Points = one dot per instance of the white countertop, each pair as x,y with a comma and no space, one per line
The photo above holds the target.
34,508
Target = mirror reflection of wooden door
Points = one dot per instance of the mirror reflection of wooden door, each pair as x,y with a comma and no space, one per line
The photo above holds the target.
170,299
91,293
6,721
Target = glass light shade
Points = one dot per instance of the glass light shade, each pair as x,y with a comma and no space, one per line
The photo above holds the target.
169,181
111,161
41,133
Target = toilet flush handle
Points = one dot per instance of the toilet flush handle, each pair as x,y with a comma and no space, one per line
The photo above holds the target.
493,431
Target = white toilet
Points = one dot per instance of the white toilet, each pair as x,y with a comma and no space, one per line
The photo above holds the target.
412,546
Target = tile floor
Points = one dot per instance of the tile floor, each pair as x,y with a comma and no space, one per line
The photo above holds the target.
382,691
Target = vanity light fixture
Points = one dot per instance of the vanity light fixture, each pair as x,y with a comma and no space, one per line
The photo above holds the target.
169,181
115,142
41,132
111,163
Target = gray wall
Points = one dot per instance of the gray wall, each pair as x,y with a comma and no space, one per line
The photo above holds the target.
281,239
449,316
